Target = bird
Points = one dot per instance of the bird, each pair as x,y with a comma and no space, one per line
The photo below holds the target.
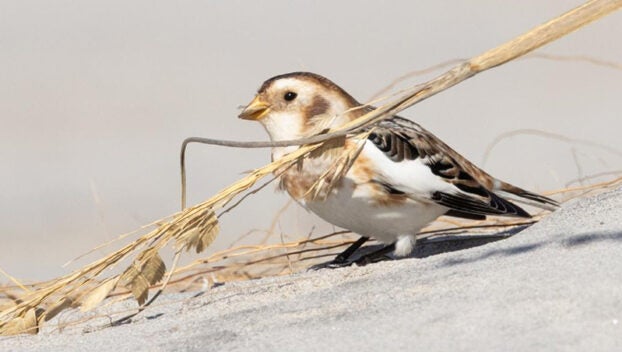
400,177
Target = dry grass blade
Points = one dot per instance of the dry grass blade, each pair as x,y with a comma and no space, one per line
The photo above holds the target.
151,266
25,324
199,236
98,294
136,282
14,280
147,270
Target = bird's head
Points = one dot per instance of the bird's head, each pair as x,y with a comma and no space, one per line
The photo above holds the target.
299,104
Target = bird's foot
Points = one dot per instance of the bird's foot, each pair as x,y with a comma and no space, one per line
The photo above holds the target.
333,264
340,262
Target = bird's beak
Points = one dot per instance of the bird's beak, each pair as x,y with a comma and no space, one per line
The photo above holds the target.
255,110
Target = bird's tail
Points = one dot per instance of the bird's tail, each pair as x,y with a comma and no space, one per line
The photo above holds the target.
520,195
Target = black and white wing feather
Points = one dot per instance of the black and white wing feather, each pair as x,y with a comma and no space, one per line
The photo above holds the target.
423,167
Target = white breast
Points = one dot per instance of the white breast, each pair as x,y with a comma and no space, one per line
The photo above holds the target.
357,212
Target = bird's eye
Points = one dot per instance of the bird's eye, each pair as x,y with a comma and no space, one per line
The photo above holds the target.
289,96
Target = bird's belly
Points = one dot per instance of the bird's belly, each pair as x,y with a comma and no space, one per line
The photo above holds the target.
360,213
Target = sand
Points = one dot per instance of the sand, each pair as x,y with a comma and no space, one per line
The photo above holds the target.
553,286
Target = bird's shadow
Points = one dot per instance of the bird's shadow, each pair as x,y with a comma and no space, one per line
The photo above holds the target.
429,246
450,243
455,242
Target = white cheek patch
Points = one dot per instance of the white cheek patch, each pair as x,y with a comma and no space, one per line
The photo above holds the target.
283,126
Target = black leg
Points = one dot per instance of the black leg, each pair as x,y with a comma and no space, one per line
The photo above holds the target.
376,256
341,259
343,256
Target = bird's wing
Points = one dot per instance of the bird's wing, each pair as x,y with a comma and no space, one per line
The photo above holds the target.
414,161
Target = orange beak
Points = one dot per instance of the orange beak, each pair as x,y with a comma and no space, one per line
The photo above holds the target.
255,110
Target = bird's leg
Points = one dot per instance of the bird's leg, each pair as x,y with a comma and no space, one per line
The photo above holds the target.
343,256
341,259
375,256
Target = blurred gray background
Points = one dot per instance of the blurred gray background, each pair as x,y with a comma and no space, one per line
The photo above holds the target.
96,97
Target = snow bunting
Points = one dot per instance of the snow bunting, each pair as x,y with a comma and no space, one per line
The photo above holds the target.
402,176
